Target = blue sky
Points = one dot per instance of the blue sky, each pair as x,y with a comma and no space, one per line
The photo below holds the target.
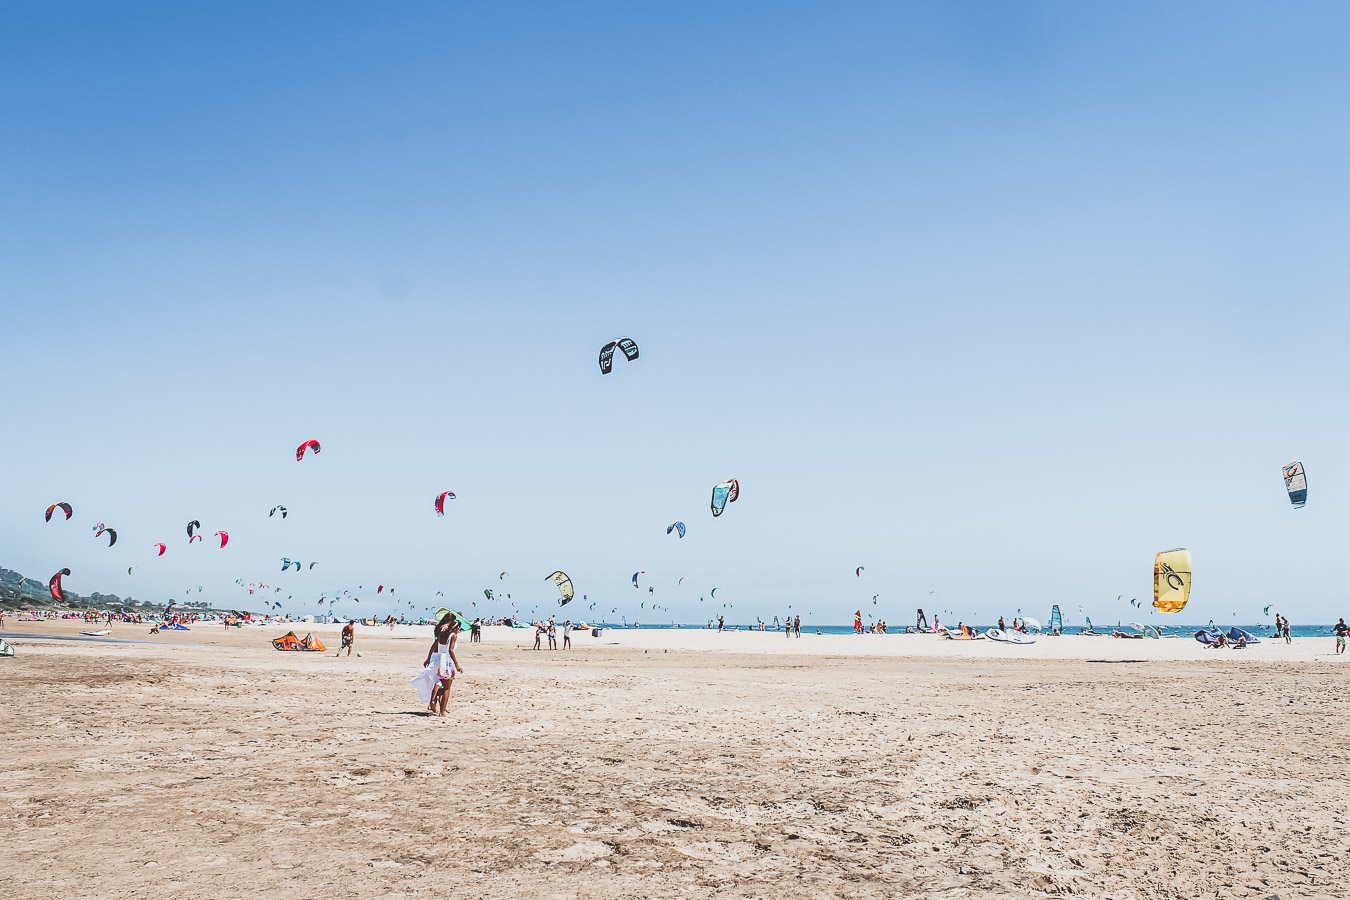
997,300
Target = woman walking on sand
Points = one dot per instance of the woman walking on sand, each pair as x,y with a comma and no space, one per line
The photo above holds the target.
441,658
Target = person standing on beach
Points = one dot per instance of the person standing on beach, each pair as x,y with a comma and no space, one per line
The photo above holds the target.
1287,638
538,633
441,657
1339,630
721,624
797,625
552,635
567,635
348,639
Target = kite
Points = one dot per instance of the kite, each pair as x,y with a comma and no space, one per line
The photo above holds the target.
112,535
65,507
503,575
1172,580
677,526
380,589
162,548
625,345
683,579
276,509
440,501
858,571
129,568
487,593
565,591
224,539
1265,611
713,592
192,526
54,585
1296,483
725,493
307,445
311,566
635,575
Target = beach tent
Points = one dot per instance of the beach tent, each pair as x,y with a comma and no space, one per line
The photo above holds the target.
6,648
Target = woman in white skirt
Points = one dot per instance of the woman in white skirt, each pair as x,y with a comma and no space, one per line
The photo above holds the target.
441,659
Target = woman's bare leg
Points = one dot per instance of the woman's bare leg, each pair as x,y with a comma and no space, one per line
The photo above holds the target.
445,693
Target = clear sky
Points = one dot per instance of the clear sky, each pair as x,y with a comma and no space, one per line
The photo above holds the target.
994,299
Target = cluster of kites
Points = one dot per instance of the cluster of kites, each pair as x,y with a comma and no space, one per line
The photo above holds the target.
1172,568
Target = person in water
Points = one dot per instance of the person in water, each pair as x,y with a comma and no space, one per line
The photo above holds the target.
441,657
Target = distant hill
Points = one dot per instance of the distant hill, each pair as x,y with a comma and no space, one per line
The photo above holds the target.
18,592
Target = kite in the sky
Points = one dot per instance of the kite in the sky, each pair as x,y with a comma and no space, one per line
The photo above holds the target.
565,591
713,593
162,548
54,585
725,493
683,579
104,529
503,575
1296,483
625,345
192,527
858,572
380,589
440,501
487,593
129,568
312,565
307,445
677,526
65,508
278,509
635,575
1172,580
224,539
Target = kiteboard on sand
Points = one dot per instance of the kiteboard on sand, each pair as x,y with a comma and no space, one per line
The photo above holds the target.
96,633
1008,637
6,648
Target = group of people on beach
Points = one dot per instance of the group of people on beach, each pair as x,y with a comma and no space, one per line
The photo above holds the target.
549,629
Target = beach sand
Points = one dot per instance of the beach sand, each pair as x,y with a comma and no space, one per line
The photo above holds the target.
639,766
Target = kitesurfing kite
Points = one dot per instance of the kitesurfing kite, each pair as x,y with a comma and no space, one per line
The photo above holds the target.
676,526
224,539
191,527
858,572
129,568
625,345
440,501
312,565
1172,580
1296,483
54,585
635,575
278,509
65,508
565,591
103,529
307,445
503,575
725,493
162,548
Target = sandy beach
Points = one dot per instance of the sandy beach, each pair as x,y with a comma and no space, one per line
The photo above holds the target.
634,767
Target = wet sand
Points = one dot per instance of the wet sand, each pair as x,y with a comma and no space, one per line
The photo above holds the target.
631,767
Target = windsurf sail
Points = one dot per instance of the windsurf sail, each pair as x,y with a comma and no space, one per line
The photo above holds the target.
1056,620
1172,580
1296,483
